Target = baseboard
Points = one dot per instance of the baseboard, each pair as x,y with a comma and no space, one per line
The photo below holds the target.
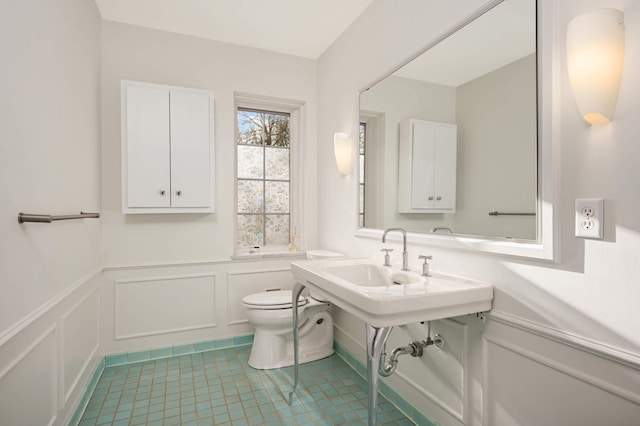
76,414
166,352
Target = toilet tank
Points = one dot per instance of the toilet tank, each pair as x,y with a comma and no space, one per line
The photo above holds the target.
323,254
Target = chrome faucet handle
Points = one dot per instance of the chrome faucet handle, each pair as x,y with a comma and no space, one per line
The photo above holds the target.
425,265
387,259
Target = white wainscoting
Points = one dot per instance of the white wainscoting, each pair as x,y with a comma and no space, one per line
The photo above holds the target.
538,375
81,337
159,305
507,371
437,382
28,386
49,356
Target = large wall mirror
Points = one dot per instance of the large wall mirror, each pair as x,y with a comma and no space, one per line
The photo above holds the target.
482,86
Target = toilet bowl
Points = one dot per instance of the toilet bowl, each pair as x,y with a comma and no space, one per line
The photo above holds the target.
271,315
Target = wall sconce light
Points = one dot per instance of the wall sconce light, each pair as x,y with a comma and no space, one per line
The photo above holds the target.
595,56
343,152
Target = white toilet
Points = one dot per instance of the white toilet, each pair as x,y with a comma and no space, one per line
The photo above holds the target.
271,315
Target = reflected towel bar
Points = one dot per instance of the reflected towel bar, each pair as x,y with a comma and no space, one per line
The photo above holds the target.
510,214
46,218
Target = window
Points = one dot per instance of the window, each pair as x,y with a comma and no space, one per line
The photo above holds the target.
264,140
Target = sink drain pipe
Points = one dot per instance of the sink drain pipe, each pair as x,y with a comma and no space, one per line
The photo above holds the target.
415,349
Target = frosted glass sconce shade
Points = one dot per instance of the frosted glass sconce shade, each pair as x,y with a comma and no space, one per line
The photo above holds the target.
342,149
595,57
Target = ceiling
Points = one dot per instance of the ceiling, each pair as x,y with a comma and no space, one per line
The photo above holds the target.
304,28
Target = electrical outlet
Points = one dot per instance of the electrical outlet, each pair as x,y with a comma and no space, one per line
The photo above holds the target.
589,218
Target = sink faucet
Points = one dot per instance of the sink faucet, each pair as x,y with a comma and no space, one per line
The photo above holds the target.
405,255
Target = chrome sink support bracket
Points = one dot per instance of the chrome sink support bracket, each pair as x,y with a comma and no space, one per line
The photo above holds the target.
376,339
297,290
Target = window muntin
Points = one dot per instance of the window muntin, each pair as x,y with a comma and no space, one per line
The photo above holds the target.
263,178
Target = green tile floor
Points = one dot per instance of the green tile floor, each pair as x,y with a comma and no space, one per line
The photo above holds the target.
219,388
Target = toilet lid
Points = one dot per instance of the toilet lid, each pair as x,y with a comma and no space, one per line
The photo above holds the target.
280,299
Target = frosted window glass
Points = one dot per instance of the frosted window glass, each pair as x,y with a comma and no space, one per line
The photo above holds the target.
250,230
250,162
277,163
250,196
277,229
277,197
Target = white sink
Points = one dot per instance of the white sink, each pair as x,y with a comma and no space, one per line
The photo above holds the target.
385,296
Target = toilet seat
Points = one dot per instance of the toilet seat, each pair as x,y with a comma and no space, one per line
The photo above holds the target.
268,300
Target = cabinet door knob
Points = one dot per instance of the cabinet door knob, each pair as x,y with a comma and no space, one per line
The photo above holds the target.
438,198
178,193
431,198
162,192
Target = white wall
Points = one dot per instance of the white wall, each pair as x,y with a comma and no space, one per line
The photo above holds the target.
169,279
570,329
49,164
141,54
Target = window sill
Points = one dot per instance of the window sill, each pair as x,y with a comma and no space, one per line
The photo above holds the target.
270,255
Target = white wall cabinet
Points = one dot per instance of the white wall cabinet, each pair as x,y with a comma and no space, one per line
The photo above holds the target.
167,149
427,167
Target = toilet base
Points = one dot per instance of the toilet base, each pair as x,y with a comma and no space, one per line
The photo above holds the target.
259,363
271,351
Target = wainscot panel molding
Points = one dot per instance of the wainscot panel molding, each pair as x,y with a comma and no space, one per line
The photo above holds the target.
164,305
265,258
527,366
511,371
440,374
80,335
160,305
435,384
29,383
48,306
47,358
593,347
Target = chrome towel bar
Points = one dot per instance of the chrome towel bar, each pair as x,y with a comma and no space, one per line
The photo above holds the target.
47,218
510,214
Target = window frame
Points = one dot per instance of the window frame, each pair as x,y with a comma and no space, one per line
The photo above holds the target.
296,112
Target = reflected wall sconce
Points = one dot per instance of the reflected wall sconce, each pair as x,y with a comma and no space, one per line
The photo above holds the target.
343,151
595,57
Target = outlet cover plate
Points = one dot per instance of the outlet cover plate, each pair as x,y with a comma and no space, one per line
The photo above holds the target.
589,218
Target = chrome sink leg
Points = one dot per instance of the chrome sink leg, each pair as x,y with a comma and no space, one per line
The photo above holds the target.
376,339
297,290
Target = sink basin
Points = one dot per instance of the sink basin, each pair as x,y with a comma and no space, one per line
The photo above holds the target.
385,296
368,275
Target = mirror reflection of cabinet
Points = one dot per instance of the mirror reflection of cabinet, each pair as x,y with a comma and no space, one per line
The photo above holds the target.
427,167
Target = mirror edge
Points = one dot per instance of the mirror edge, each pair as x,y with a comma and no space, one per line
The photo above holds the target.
547,246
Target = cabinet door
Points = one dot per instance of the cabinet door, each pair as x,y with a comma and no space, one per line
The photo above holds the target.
190,144
445,167
422,165
147,157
